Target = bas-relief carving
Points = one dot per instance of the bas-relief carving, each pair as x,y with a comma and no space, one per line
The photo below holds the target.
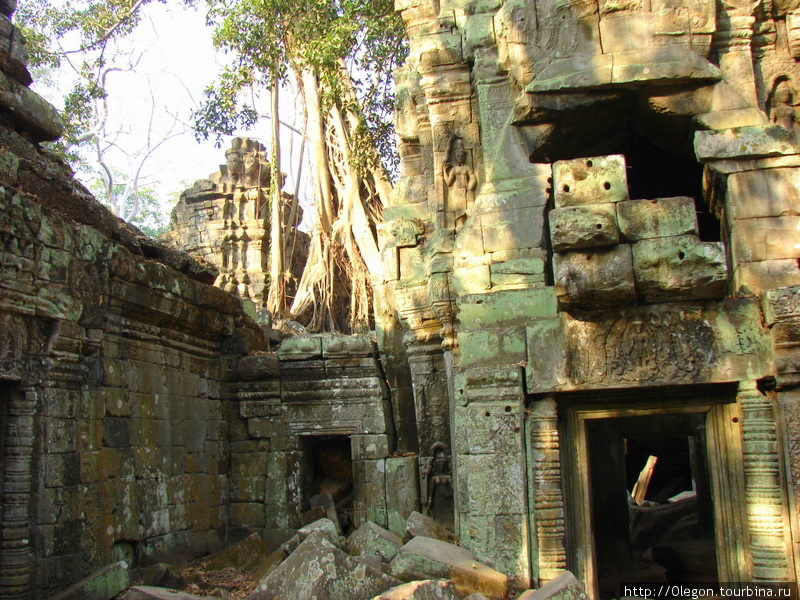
439,504
671,346
460,180
782,110
658,345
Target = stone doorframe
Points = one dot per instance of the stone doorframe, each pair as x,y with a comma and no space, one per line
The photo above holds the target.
561,514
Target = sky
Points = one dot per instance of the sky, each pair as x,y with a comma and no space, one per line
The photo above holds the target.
174,62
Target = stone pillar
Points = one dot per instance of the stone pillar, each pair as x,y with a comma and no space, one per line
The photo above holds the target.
489,468
546,498
767,517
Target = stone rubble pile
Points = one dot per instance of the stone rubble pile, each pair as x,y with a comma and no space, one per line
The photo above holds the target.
372,563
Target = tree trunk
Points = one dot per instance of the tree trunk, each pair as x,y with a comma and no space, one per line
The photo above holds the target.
276,301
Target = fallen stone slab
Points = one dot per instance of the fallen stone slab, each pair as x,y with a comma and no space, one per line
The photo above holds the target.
158,575
418,524
148,592
325,527
563,587
103,584
374,539
425,558
325,502
317,569
245,555
268,565
428,589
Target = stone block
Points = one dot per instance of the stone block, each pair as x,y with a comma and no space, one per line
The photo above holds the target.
661,217
402,477
626,31
487,428
600,278
768,238
506,308
574,73
373,539
103,584
763,193
476,492
753,278
516,281
423,558
596,180
744,142
369,446
317,569
321,529
492,347
679,268
325,502
471,279
427,589
30,111
334,346
577,227
729,119
418,524
513,228
300,348
504,263
563,587
671,63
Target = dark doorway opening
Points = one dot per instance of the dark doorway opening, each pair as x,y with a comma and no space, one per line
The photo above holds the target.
328,469
666,534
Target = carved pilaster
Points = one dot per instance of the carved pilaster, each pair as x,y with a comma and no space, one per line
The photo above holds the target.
766,508
733,43
17,474
546,493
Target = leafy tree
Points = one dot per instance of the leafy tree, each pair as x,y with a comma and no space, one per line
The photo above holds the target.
81,42
341,55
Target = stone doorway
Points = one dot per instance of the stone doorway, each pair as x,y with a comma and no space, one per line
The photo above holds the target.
666,533
607,438
328,469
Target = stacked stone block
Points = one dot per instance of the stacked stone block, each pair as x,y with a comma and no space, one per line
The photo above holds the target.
611,251
761,213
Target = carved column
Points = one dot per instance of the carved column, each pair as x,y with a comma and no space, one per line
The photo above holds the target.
544,480
766,512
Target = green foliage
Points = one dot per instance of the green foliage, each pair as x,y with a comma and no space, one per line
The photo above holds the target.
271,37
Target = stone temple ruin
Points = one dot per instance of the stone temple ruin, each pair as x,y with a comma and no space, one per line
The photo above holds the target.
592,258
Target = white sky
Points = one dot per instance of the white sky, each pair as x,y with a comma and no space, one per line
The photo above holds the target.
175,62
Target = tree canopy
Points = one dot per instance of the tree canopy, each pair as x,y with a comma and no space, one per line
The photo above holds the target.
338,54
352,45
